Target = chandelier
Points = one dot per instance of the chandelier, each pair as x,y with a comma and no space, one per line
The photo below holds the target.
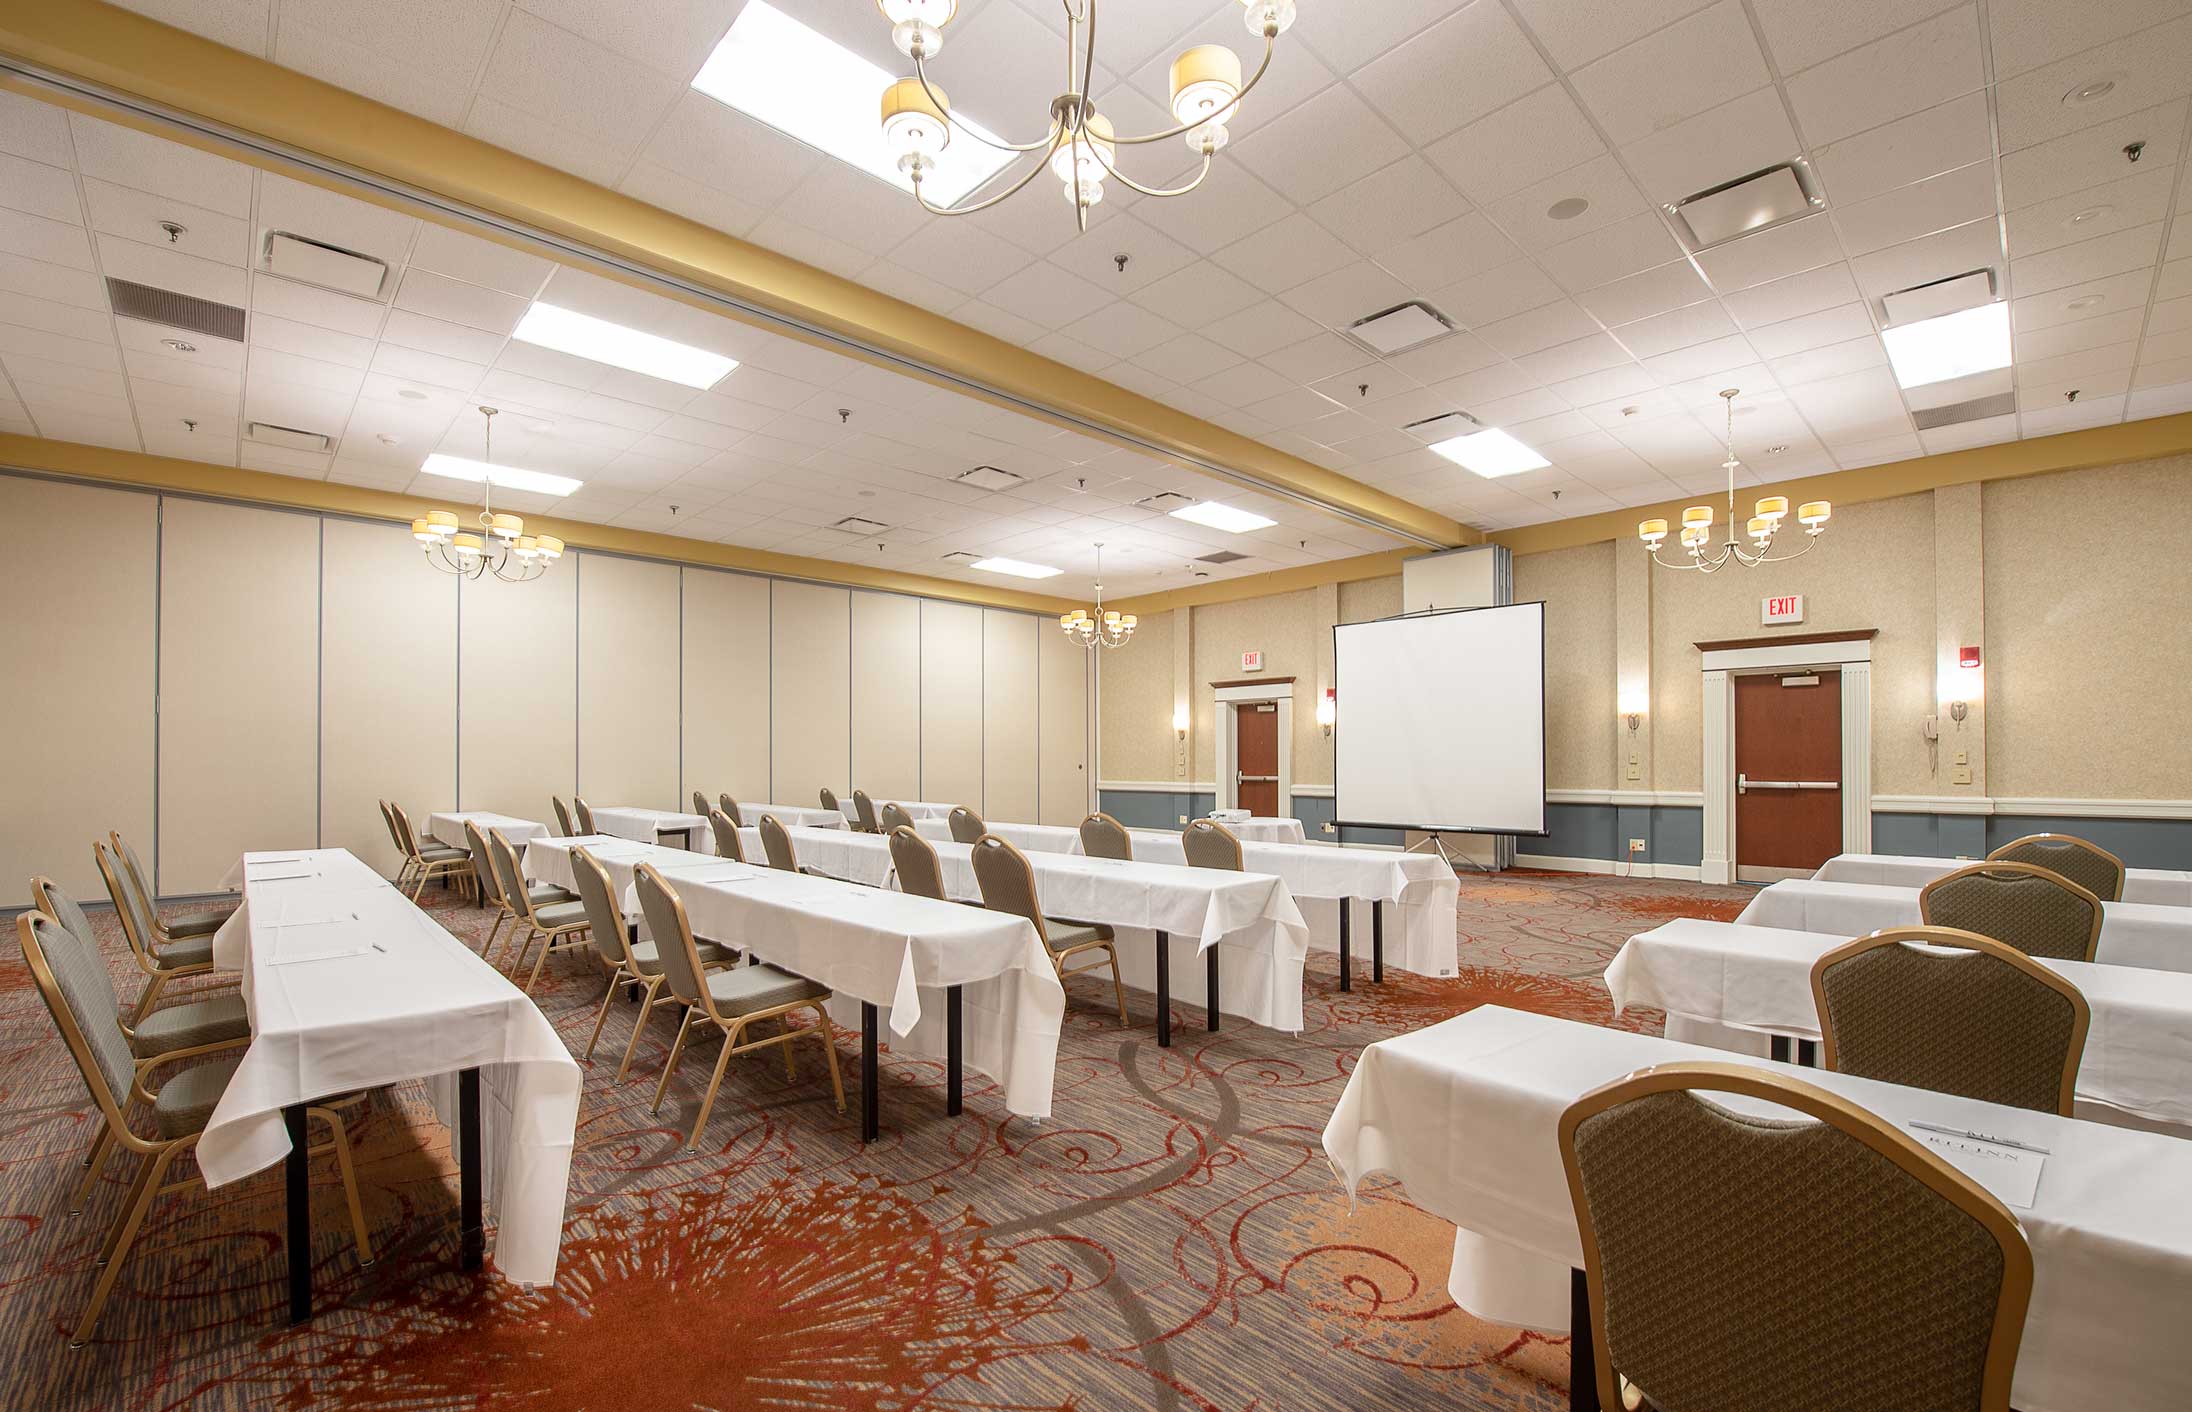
1765,521
502,547
1098,628
1080,148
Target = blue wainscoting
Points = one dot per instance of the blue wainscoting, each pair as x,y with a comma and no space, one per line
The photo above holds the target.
1161,809
1672,834
2141,843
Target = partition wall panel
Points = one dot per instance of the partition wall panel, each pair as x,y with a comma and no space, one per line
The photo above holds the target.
951,703
388,687
1009,767
886,697
628,697
726,686
79,598
1061,711
517,693
810,691
239,688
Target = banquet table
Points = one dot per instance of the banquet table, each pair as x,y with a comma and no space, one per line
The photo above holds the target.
1249,917
1755,982
1264,829
878,948
916,809
449,827
2165,887
2142,934
793,816
653,825
1421,886
350,986
1466,1112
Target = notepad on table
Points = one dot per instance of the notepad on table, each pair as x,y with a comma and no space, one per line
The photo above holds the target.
2008,1169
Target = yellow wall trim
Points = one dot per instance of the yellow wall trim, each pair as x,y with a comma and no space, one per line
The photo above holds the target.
98,463
1366,566
123,51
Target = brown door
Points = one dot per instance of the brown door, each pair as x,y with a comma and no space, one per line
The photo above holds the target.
1256,751
1788,774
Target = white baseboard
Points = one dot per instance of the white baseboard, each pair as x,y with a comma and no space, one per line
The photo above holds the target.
1979,804
1672,872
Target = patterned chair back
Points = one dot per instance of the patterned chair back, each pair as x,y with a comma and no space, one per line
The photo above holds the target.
895,817
510,874
483,864
864,808
2033,909
604,922
406,839
914,859
563,817
1709,1234
673,936
1105,837
1008,882
700,804
730,807
129,904
777,845
47,897
72,979
966,825
2090,866
1209,844
727,844
389,819
585,815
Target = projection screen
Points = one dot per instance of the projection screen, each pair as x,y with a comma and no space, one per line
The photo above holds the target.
1441,721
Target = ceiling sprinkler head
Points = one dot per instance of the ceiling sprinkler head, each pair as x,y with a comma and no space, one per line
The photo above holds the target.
844,415
1121,260
174,232
2132,150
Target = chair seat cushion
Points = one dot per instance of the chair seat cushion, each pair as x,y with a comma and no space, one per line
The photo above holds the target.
650,960
746,990
441,853
189,1096
549,895
195,1022
202,921
190,951
562,914
1065,935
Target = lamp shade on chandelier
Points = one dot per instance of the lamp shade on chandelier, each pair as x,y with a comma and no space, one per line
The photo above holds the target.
1081,147
1100,626
501,547
1763,525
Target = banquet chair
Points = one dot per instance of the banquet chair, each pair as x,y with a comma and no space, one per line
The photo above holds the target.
563,818
864,808
176,960
1105,837
183,1030
490,889
894,816
1209,844
966,825
700,804
1983,1021
730,807
585,815
829,800
1745,1263
731,1000
630,961
72,979
1008,885
776,845
430,862
557,925
913,859
2090,866
2037,911
727,843
388,821
175,926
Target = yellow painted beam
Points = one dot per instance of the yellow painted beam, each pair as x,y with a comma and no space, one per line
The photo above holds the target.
126,52
98,463
1366,566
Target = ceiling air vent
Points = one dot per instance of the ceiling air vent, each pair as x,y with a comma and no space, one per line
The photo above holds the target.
164,306
1223,556
989,478
1400,328
1977,409
1443,427
1942,296
309,261
960,556
288,438
854,524
1747,205
1164,502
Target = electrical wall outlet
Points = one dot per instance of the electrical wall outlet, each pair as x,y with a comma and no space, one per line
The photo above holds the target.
1330,827
1636,845
1183,819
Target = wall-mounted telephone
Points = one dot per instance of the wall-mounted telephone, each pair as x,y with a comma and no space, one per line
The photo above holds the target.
1930,728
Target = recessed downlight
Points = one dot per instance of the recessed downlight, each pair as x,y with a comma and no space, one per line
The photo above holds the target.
179,346
2084,302
2093,90
2090,214
1567,208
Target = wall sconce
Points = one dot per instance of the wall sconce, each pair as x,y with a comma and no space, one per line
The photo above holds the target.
1179,719
1634,719
1327,710
1957,710
1631,708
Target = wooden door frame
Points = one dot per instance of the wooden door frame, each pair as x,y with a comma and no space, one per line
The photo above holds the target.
1722,662
1231,696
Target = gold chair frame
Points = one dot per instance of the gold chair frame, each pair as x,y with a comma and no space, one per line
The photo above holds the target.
158,972
1105,941
2093,938
2070,840
627,971
564,937
425,870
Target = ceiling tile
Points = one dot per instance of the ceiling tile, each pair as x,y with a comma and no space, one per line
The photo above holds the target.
1835,325
1319,147
1772,254
1259,328
1230,205
1519,144
48,242
1653,83
1733,140
2141,72
1615,252
39,190
1541,327
1920,209
1654,291
438,297
2089,214
674,37
39,131
1955,134
1891,78
1353,292
1578,31
2091,155
1122,329
1801,33
1496,294
1679,328
1292,252
1793,297
1572,360
1454,250
1465,66
2092,299
1348,36
1609,195
2134,249
419,55
1392,206
2027,33
1950,252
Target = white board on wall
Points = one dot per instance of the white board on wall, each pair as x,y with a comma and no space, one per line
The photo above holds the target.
1442,721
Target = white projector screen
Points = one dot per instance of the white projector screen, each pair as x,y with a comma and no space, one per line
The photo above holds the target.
1442,721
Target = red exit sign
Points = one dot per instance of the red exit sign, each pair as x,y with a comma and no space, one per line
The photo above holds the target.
1789,609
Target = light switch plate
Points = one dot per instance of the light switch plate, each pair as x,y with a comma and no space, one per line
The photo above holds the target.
1963,757
1635,772
1961,776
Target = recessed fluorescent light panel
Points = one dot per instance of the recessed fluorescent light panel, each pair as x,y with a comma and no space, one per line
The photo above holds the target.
508,477
1220,516
1951,346
1017,569
1491,453
772,67
599,341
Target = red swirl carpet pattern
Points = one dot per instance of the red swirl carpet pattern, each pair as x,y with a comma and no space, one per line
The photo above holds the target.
1171,1238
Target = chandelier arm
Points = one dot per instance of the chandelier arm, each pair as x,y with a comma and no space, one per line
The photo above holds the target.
1270,48
1033,172
920,71
1152,190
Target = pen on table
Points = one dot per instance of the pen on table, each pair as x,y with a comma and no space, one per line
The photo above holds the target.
1978,1137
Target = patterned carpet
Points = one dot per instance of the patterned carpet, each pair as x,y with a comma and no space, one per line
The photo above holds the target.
1171,1239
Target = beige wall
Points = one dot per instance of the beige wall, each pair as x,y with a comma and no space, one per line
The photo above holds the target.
810,687
1577,587
1061,705
1137,703
727,692
1009,727
518,695
886,717
951,701
1287,630
629,662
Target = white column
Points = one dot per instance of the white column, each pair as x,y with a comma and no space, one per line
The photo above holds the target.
1717,864
1856,757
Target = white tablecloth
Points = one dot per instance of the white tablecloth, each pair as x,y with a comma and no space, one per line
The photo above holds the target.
449,828
1252,915
655,825
867,944
1422,886
350,986
2141,934
916,809
2138,1053
1264,829
1466,1112
792,816
2165,887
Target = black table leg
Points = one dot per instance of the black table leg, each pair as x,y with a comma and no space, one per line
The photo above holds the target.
871,1125
1377,942
1778,1049
471,1165
297,1181
954,1053
1807,1053
1164,991
1347,943
1210,985
1582,1355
